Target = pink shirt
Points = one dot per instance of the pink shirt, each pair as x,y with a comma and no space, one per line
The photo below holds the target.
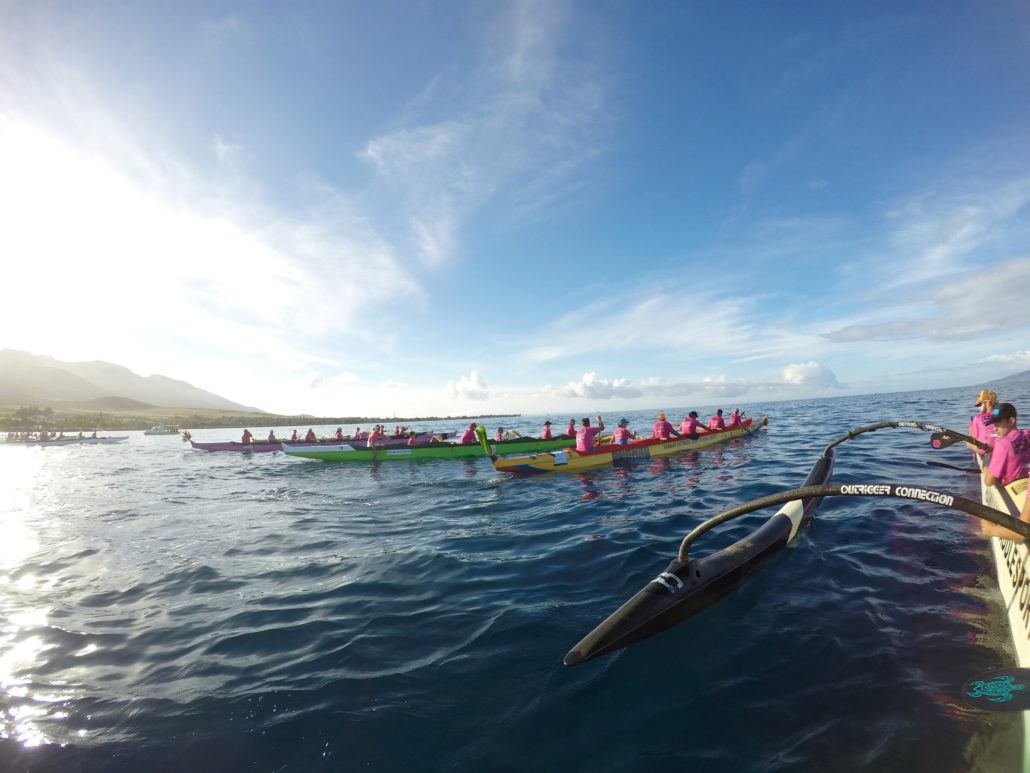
467,437
716,422
621,435
1010,459
411,440
571,429
982,432
498,435
734,419
689,426
585,438
546,434
662,429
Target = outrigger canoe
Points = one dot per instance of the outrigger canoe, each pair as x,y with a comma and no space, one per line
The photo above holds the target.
1012,563
260,447
70,441
603,455
346,453
689,585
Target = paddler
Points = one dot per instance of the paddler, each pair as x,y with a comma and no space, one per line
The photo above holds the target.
571,429
621,434
378,433
247,437
271,436
411,438
339,434
717,422
468,437
662,429
690,425
1010,460
545,434
585,435
734,418
293,437
309,436
499,434
978,428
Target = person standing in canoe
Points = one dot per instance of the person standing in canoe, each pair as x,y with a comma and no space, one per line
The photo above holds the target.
247,437
662,429
621,434
717,422
585,435
546,433
1010,460
1010,457
378,434
690,425
571,429
979,429
468,437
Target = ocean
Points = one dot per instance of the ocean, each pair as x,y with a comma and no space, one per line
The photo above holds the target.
165,609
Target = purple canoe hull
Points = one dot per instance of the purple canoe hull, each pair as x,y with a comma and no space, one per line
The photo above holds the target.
255,447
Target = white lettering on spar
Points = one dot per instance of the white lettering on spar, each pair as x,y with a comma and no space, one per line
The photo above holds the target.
919,425
908,492
927,496
876,491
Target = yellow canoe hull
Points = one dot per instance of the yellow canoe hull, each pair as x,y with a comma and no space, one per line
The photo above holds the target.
574,461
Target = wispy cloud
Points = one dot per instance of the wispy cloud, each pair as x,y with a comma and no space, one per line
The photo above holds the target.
229,277
970,306
936,235
536,118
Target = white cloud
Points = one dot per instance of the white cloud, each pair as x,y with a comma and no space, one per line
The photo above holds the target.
470,387
601,389
810,374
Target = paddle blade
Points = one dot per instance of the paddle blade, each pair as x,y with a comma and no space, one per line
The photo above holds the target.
1005,690
943,440
972,470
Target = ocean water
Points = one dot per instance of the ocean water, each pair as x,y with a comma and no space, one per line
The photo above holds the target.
168,609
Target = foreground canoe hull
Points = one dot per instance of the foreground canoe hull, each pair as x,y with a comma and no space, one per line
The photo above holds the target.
602,456
347,453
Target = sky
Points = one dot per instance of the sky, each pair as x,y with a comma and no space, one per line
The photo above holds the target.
415,208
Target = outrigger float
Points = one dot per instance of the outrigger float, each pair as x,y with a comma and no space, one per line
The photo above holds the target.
607,454
689,585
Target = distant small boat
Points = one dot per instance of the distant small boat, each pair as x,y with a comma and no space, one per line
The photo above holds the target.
162,429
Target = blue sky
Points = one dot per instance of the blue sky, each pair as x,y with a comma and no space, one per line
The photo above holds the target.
461,207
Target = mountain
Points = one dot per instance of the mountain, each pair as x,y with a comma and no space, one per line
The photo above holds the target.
1015,378
28,378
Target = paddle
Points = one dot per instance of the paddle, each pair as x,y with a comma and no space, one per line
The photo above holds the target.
481,434
973,470
1004,690
947,438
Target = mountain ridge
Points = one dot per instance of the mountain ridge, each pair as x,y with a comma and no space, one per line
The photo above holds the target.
26,377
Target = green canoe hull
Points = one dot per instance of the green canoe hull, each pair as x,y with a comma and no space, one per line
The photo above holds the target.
346,453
